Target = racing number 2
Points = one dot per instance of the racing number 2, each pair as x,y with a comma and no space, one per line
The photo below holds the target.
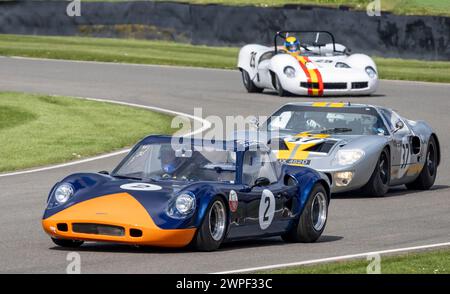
266,209
266,216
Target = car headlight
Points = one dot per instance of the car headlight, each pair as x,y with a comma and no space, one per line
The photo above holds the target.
182,206
63,193
371,72
342,179
289,71
342,65
346,157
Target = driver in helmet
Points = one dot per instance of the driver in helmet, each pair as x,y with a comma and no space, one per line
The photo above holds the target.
169,161
292,46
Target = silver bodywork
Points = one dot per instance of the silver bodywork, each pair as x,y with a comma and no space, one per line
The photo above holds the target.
407,147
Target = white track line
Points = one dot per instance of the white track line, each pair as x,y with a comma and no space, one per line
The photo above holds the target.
205,125
331,259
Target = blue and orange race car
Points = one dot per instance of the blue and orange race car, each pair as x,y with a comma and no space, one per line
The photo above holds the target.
174,192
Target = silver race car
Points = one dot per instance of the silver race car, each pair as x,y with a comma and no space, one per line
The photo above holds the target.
356,146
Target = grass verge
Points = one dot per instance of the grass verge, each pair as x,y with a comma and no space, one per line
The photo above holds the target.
428,262
171,53
37,130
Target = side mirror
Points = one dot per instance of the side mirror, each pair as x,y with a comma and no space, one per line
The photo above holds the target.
104,172
398,126
261,182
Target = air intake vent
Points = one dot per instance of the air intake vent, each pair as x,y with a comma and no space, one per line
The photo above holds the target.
62,227
326,86
324,147
360,85
98,229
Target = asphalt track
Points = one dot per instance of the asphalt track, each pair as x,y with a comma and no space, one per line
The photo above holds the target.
356,224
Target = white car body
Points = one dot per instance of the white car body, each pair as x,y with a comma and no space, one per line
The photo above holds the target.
317,71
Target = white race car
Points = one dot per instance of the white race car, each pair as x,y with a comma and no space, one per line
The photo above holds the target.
321,67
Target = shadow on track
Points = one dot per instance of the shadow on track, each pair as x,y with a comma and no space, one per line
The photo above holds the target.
397,191
228,246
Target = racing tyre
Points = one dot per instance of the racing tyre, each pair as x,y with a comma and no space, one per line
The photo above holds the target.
67,243
248,83
428,174
313,219
378,184
213,228
280,90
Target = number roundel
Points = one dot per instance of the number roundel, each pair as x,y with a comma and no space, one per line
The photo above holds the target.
266,209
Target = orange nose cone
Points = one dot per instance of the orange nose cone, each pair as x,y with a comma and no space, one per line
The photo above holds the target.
121,211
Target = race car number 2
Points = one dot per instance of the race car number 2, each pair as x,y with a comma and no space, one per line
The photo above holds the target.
266,209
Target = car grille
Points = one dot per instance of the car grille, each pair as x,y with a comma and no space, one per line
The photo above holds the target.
360,85
98,229
326,86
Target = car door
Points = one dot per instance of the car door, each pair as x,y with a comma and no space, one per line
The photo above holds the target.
263,206
401,146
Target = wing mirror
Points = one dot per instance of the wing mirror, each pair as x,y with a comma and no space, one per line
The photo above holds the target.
261,182
398,126
104,172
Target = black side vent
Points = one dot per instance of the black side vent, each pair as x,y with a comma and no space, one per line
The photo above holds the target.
360,85
324,147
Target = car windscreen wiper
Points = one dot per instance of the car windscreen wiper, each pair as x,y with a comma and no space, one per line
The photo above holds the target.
126,177
335,130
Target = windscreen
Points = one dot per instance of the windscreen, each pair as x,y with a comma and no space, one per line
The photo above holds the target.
292,120
163,162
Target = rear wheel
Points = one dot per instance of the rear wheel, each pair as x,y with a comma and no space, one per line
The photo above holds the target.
279,87
248,83
212,231
67,243
428,174
313,219
378,184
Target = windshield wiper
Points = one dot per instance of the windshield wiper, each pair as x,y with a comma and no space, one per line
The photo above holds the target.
127,177
335,130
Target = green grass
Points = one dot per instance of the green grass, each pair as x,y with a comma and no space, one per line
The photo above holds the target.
37,130
409,7
171,53
431,262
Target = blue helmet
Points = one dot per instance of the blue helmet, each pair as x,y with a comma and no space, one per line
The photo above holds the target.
292,45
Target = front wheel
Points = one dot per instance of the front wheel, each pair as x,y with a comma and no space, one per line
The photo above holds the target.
248,83
378,184
279,87
213,228
427,176
67,243
313,219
